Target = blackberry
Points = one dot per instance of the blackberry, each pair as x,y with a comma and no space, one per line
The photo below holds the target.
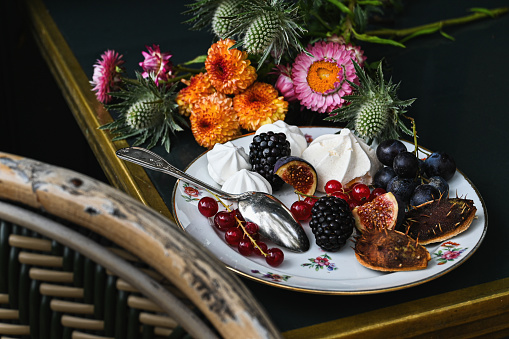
332,223
264,151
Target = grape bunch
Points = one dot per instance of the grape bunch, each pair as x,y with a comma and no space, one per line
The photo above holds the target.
239,233
413,181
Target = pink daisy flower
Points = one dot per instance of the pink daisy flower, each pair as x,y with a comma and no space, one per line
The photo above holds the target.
320,78
107,75
284,83
157,63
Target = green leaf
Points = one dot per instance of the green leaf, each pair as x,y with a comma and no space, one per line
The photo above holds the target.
445,35
370,2
421,32
377,40
198,60
482,10
341,6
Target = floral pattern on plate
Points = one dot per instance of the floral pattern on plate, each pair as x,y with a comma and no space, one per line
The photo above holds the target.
191,193
450,252
272,276
321,262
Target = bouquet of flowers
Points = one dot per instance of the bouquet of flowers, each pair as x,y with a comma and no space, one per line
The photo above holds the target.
272,58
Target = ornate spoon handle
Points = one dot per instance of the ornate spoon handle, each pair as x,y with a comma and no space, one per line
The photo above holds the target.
148,159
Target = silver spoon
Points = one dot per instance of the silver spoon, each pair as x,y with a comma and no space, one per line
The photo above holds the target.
274,219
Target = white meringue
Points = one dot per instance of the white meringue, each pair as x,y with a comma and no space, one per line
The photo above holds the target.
343,157
293,134
245,181
224,160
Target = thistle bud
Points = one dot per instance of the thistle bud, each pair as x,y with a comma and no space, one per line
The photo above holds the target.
222,22
143,114
261,33
373,118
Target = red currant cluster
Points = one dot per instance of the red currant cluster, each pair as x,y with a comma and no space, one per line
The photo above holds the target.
356,195
239,233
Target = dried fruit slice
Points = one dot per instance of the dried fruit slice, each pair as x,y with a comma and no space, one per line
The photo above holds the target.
297,172
381,212
390,251
440,219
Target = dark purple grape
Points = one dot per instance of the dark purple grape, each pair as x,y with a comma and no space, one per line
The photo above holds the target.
440,164
402,188
383,176
388,149
422,194
405,165
440,184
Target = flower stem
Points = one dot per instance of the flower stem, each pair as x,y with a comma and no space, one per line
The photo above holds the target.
440,24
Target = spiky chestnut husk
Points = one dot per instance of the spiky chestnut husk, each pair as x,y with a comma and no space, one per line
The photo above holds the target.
440,219
374,112
390,251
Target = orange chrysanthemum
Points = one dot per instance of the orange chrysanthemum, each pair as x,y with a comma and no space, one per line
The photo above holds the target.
260,104
213,120
198,87
229,70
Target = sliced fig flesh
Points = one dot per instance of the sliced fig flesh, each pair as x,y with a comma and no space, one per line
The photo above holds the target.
382,212
298,173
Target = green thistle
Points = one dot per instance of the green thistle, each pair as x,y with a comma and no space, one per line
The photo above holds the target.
262,27
269,27
374,111
147,112
203,13
261,33
222,22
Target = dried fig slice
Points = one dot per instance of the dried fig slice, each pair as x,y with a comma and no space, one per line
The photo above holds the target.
440,219
390,251
297,172
382,212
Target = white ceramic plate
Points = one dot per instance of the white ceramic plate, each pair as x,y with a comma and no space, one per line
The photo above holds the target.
317,271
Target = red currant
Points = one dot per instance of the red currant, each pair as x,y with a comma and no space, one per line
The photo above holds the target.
301,210
233,236
361,192
224,220
251,228
353,203
207,206
236,213
310,201
341,195
333,186
245,247
376,192
274,257
262,246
